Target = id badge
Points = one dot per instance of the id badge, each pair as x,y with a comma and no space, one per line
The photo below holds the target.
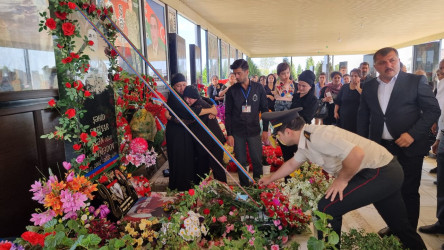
246,109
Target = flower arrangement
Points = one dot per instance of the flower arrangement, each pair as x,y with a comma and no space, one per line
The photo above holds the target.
202,90
221,112
143,232
307,186
272,156
141,185
139,155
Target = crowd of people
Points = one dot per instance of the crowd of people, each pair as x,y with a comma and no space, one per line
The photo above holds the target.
374,145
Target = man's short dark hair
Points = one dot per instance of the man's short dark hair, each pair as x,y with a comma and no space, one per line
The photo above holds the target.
322,74
384,52
364,63
345,75
332,74
281,67
295,124
239,63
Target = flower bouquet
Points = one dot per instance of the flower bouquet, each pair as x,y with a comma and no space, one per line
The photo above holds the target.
139,155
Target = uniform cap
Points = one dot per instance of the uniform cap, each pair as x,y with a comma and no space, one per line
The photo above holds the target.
280,118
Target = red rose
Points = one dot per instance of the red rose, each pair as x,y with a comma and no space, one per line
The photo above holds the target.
91,8
5,245
221,202
61,15
84,137
62,3
60,46
105,11
51,24
74,55
90,43
68,29
68,85
191,192
95,149
206,211
76,147
67,60
93,133
120,69
70,113
98,12
52,103
71,5
113,53
103,179
116,77
87,93
79,85
111,9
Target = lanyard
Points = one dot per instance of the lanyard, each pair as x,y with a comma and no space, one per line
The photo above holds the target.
246,96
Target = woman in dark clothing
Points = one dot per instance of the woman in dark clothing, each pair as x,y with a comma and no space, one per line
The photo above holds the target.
305,98
269,89
204,160
347,102
328,94
214,89
180,153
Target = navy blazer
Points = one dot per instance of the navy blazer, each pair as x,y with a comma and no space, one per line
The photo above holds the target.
412,108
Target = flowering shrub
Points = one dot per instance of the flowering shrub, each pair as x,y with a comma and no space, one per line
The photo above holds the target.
307,186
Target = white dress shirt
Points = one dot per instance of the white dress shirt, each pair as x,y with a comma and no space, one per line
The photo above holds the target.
384,93
440,98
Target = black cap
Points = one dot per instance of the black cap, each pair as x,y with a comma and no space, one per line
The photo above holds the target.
307,76
178,77
191,92
280,118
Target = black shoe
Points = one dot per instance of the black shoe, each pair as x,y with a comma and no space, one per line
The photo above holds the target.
386,231
435,182
442,247
433,170
432,229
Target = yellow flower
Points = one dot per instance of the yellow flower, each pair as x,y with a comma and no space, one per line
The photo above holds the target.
129,175
145,234
139,242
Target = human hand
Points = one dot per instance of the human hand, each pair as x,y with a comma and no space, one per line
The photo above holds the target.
230,141
405,140
336,115
211,116
328,99
264,181
336,188
213,110
434,128
265,137
435,146
167,115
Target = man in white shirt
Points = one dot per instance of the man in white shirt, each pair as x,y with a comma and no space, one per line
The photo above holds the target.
365,172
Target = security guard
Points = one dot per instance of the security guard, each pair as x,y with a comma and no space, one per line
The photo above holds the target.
365,172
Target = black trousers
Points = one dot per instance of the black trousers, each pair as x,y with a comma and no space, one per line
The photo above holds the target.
412,167
205,162
382,188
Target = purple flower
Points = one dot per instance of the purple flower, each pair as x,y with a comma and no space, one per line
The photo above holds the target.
103,211
91,209
72,202
276,202
41,218
80,158
67,165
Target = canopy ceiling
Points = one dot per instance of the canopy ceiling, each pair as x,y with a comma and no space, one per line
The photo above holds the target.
269,28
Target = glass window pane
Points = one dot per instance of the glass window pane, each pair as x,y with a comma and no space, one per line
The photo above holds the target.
213,56
187,30
225,53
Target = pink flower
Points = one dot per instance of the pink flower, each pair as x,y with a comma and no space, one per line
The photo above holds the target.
222,219
280,227
251,241
229,228
37,189
276,202
103,211
41,218
72,202
139,145
276,222
250,229
70,177
275,247
80,158
284,239
67,165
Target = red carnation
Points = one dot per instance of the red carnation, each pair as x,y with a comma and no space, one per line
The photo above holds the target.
68,85
91,8
71,5
84,137
191,192
87,93
70,113
206,211
68,29
98,12
74,55
51,24
93,133
67,60
76,147
5,245
61,15
90,43
83,167
103,179
52,103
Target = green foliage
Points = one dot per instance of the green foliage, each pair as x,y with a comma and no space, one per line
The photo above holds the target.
205,77
318,69
299,71
330,237
254,70
309,63
358,239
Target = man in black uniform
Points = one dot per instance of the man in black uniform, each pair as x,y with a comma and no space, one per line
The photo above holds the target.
365,172
204,160
244,101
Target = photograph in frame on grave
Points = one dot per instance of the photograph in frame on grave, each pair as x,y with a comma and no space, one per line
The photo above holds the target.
156,44
213,56
127,18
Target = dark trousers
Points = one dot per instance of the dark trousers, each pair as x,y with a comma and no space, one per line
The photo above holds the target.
412,167
205,162
380,187
255,150
440,182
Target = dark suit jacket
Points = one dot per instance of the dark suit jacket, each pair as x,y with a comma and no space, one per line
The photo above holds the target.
412,108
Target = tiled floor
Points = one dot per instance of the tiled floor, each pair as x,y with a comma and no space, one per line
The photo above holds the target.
367,217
